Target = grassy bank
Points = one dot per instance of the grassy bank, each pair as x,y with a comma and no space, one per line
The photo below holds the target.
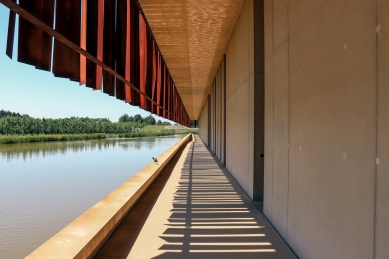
11,139
46,138
147,134
161,128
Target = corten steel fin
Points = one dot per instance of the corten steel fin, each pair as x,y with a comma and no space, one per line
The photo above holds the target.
83,35
134,50
154,83
127,53
108,45
66,62
67,49
100,29
91,41
34,45
150,71
143,59
121,37
164,114
94,42
167,94
11,33
162,89
158,100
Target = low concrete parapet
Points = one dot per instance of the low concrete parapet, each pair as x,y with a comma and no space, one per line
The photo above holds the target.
85,235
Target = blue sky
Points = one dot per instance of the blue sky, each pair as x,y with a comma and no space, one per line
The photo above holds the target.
37,93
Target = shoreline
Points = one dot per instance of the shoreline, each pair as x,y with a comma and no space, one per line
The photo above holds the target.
14,139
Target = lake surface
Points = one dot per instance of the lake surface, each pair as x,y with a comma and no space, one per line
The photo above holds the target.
45,186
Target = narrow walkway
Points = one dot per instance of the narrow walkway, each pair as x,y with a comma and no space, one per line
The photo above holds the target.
195,209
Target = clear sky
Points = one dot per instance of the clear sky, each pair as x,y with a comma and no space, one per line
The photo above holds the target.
37,93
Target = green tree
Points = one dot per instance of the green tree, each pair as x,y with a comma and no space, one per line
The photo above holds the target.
125,118
137,118
149,120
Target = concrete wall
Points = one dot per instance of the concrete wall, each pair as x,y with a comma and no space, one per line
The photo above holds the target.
326,142
240,100
382,95
232,103
219,112
326,96
203,123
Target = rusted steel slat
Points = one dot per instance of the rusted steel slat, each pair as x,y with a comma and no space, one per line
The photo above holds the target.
29,36
100,28
158,83
47,40
70,43
66,62
108,45
128,67
164,91
134,52
11,33
143,58
121,37
34,45
83,35
168,96
150,71
161,103
91,42
154,85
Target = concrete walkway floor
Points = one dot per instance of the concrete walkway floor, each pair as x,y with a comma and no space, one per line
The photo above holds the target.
195,209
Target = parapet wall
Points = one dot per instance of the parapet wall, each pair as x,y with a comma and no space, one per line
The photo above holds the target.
84,236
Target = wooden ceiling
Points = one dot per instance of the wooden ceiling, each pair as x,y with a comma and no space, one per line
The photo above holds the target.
192,36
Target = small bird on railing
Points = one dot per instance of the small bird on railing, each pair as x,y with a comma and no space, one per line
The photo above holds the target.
155,160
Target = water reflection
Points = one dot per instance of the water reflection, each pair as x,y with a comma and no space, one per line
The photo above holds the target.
45,186
26,151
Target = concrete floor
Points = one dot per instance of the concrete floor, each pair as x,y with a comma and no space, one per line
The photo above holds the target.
195,209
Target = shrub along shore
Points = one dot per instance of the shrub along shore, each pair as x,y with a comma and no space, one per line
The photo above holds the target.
12,139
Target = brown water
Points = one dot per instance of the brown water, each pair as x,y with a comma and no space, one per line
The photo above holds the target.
45,186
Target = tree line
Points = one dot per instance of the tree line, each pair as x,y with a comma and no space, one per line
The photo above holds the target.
16,124
10,114
148,120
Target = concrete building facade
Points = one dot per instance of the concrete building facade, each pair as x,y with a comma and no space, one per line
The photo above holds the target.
306,121
291,96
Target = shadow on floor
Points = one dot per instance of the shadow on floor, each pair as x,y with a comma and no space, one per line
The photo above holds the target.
213,218
123,238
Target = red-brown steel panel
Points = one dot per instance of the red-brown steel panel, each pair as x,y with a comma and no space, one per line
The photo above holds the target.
150,70
66,61
135,74
158,83
46,40
164,91
11,33
94,41
34,45
91,46
143,58
127,74
154,81
168,96
84,7
121,37
141,67
100,29
109,45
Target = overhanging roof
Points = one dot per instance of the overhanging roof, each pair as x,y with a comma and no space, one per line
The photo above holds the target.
192,36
